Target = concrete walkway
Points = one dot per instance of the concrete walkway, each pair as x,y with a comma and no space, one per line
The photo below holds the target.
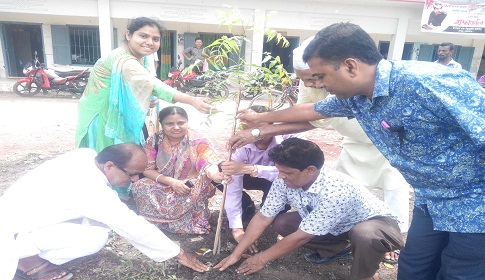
6,84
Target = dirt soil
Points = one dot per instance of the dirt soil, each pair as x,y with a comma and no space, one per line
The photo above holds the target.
37,129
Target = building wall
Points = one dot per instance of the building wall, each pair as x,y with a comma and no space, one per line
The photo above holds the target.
393,21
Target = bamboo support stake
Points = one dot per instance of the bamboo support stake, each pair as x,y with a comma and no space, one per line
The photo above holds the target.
217,240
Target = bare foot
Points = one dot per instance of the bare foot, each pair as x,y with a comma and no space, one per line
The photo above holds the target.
391,257
39,269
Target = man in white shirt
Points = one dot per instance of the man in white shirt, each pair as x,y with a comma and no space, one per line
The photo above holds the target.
333,212
445,55
64,209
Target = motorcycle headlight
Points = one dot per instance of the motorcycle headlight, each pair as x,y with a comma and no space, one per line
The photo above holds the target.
170,75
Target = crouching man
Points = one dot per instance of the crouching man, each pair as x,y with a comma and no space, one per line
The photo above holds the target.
333,213
64,209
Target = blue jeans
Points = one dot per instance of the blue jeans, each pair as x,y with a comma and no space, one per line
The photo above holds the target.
431,254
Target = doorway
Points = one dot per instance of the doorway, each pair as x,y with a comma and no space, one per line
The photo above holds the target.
285,54
21,41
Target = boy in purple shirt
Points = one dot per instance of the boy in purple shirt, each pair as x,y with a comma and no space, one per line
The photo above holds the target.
251,169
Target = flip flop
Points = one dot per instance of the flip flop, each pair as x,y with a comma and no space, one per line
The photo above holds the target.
392,261
45,270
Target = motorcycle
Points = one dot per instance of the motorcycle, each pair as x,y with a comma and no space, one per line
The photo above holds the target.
188,81
38,77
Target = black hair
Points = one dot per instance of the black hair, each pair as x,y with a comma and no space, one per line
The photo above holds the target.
297,153
172,110
448,44
340,41
119,154
139,22
198,38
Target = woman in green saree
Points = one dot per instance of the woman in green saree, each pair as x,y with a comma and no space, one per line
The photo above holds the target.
116,100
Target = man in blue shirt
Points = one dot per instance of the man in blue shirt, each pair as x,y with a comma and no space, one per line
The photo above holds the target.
429,122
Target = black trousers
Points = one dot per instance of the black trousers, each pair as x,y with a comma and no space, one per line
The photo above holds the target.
252,183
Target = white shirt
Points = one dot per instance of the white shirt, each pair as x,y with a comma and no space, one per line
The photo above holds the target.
70,187
452,64
347,127
333,204
359,157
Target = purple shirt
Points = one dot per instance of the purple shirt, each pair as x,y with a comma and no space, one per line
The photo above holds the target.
250,154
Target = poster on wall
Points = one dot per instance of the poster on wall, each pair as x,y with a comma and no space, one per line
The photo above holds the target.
444,17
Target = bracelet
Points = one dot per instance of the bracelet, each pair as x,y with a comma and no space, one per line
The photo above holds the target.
156,179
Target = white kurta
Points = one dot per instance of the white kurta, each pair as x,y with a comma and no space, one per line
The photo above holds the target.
361,160
67,188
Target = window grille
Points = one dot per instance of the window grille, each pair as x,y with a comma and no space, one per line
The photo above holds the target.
85,47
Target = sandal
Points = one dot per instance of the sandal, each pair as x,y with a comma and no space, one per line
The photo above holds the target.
44,271
397,252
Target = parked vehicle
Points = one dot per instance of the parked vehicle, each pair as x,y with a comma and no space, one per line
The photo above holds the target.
275,99
188,81
257,81
38,77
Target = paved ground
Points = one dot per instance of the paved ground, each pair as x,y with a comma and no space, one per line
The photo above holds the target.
6,84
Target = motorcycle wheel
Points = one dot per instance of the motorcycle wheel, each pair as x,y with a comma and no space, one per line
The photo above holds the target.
24,89
221,91
77,87
179,85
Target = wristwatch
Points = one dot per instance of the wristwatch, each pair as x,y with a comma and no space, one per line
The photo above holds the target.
256,133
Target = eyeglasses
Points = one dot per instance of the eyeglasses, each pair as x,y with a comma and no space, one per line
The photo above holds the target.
128,173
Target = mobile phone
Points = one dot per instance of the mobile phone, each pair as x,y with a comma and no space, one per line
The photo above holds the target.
189,184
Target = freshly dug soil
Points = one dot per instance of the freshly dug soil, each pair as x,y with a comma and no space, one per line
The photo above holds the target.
39,128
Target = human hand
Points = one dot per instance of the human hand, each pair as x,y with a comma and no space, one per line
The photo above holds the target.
214,174
236,168
251,265
153,103
228,179
191,261
217,177
179,187
247,115
203,105
240,139
227,262
238,234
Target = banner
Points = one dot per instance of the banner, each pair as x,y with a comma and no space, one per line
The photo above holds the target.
443,17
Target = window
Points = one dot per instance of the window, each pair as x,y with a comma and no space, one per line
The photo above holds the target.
84,43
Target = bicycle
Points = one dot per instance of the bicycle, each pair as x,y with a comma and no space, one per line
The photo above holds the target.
275,99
